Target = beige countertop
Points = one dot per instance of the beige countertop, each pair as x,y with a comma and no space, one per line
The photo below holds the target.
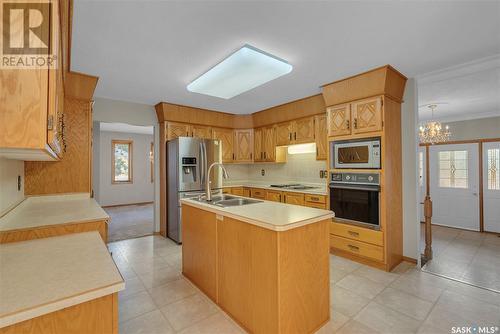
40,211
321,189
46,275
270,215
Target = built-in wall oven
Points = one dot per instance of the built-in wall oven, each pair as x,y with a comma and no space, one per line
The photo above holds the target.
355,154
355,198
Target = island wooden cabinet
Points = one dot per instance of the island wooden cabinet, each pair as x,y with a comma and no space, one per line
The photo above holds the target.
226,136
262,278
321,137
243,145
362,116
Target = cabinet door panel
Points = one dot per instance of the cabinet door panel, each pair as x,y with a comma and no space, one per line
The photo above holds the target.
321,137
274,196
283,133
294,198
175,130
200,131
367,115
258,144
269,144
339,120
303,131
244,145
226,136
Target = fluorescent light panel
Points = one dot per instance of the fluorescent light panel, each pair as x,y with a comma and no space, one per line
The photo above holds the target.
242,71
302,148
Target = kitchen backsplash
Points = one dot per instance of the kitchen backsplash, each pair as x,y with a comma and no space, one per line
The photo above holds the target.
298,168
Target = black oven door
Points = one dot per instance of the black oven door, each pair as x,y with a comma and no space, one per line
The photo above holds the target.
356,203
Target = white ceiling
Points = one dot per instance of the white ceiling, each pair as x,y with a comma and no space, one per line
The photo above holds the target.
127,128
463,92
148,51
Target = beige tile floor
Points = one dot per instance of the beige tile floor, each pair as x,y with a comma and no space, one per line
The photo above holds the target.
157,299
130,221
468,256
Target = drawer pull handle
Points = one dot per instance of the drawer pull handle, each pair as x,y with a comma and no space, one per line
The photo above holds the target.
353,248
354,234
314,198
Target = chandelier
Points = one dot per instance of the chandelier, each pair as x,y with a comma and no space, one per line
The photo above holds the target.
432,132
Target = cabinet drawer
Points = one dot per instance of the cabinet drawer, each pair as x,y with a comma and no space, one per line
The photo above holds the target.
293,198
315,205
357,248
315,198
258,193
357,233
273,196
226,190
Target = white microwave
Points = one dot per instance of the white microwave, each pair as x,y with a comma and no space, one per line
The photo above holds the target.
355,154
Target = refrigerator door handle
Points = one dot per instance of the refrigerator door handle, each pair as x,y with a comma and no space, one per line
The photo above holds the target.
202,165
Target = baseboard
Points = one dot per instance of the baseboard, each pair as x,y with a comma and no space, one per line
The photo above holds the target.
410,259
118,205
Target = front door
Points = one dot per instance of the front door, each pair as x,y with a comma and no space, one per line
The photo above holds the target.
454,181
491,186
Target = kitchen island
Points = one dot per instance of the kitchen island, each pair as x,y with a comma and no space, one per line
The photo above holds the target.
266,264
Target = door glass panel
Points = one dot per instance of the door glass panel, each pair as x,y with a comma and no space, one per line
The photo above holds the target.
353,154
493,169
420,169
453,169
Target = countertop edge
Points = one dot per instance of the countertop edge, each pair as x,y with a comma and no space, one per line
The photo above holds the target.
92,220
257,222
36,311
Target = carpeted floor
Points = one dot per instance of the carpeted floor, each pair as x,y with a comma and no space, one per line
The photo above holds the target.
130,221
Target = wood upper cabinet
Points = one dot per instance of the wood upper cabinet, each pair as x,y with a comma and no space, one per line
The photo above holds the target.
283,133
320,137
201,131
175,130
269,144
339,120
361,116
258,147
303,130
226,136
243,145
367,115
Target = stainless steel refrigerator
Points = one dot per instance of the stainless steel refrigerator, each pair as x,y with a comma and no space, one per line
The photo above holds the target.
187,162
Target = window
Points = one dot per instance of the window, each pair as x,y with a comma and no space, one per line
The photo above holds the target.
453,169
121,162
493,169
420,169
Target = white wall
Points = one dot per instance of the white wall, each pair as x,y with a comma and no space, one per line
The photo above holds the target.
475,128
141,189
114,111
411,224
10,196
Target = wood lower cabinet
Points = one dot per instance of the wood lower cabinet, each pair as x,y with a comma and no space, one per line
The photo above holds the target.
199,249
274,196
315,201
98,315
293,198
243,145
258,193
240,191
226,136
268,281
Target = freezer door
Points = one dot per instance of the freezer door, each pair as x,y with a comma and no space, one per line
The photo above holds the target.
189,162
213,149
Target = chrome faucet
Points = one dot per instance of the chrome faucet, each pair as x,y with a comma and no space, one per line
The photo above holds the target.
207,186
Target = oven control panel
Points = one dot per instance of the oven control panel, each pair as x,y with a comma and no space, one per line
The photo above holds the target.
355,178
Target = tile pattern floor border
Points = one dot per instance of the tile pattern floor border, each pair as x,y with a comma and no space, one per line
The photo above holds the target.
157,298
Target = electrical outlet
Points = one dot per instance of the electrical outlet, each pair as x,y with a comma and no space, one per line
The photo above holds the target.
19,183
262,172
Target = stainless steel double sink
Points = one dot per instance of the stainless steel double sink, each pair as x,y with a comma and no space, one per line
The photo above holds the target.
226,200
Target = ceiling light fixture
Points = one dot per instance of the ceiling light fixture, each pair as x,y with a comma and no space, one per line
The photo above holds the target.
242,71
432,132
